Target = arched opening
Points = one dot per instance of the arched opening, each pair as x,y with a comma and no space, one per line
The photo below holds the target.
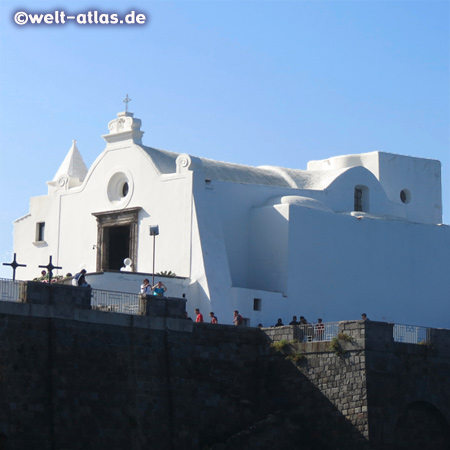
361,198
422,426
2,441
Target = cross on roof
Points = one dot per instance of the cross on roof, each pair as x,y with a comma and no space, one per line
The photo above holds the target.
126,101
14,266
50,268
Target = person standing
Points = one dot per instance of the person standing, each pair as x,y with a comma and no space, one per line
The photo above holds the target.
303,329
279,323
159,288
146,289
213,318
237,319
199,315
79,279
320,330
293,321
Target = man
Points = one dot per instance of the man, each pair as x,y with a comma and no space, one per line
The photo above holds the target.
364,317
199,317
320,330
279,323
237,320
213,318
158,289
293,321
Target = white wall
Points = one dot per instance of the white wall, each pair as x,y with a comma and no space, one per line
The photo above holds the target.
420,176
233,244
268,248
341,266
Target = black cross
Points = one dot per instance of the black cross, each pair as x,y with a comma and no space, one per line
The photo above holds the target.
14,266
50,268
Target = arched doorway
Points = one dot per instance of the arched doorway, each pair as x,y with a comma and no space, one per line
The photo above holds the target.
422,426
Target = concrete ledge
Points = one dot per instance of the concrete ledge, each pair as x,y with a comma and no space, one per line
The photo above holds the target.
58,294
151,305
68,312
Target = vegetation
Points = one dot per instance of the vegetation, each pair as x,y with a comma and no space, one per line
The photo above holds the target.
279,345
167,273
284,347
295,357
335,344
55,278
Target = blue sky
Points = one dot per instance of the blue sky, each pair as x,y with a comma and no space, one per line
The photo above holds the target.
251,82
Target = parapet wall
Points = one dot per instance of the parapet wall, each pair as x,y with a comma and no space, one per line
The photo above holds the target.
75,378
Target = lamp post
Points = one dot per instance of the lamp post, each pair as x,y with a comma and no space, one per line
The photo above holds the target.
154,231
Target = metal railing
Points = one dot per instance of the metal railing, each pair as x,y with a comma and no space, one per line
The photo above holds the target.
411,334
125,303
316,332
118,302
9,290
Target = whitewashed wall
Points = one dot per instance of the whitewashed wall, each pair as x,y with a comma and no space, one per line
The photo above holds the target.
300,251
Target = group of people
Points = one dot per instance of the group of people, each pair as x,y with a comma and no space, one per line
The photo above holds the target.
237,318
158,289
308,331
45,277
294,321
318,325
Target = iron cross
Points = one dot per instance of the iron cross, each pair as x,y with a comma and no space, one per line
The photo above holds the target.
14,266
50,268
126,101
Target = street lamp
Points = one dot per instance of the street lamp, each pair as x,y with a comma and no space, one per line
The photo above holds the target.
154,231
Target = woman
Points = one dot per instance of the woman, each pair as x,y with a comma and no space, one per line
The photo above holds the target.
146,288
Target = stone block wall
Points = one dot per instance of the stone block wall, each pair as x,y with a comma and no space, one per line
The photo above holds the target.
72,378
46,294
154,306
408,389
335,391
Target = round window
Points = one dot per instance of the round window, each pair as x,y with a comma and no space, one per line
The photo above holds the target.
405,196
125,189
120,188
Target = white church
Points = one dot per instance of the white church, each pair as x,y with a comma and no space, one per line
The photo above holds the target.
350,234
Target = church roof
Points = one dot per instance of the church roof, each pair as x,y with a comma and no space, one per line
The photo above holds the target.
73,165
165,162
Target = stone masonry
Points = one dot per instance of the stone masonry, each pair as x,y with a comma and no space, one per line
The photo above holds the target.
72,378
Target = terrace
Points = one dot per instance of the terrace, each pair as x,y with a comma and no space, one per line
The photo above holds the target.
114,302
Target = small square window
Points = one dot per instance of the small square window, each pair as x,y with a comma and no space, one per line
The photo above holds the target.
40,231
256,304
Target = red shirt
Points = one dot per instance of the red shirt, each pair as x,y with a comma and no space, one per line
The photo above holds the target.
199,317
214,319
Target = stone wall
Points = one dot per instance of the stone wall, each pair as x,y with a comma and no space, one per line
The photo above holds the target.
73,378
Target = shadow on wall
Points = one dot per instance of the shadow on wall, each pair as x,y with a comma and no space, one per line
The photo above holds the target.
258,400
422,426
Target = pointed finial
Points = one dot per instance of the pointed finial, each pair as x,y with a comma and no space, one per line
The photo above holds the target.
74,141
126,101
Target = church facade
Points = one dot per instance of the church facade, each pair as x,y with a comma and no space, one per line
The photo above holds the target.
351,234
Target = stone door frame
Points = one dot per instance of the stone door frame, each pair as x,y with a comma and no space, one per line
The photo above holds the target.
105,220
